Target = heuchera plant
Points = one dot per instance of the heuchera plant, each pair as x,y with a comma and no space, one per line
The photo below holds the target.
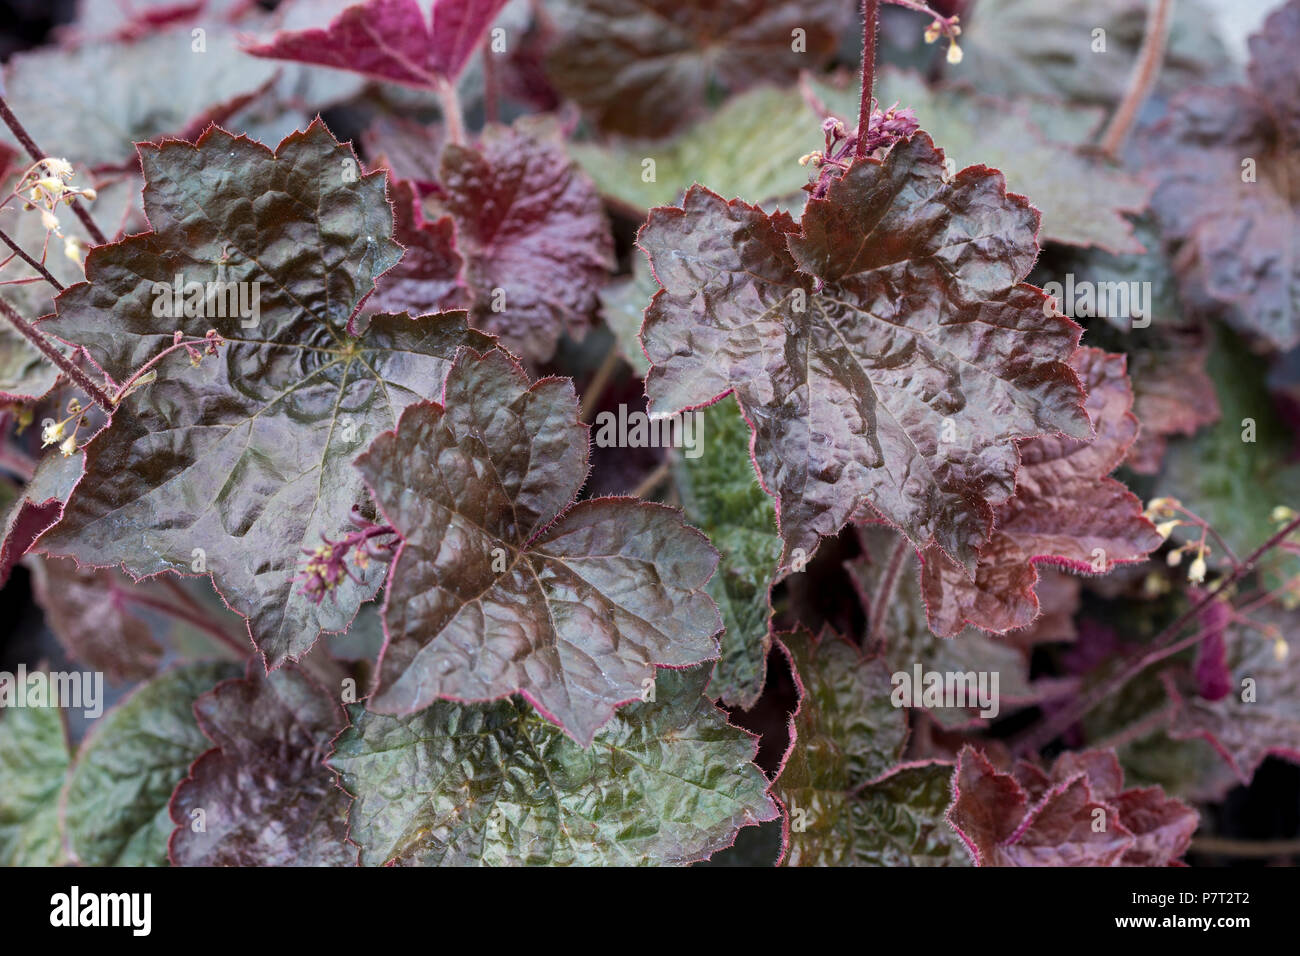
610,432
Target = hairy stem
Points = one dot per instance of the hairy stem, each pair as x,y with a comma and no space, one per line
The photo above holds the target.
37,154
45,273
1143,77
885,592
143,369
870,14
65,365
1165,644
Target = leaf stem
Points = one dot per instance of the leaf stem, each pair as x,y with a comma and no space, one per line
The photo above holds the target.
65,365
193,618
39,267
491,85
885,592
452,116
1142,78
870,14
1165,644
36,153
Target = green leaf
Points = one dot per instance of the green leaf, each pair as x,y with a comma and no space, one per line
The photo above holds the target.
667,781
503,584
723,498
245,461
1083,200
848,802
115,800
33,761
748,148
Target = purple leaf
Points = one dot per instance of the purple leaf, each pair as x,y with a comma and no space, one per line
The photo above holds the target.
534,235
896,372
237,466
502,585
1065,511
263,793
419,44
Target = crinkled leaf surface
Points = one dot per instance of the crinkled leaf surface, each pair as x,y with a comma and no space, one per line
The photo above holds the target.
666,781
1082,200
1242,222
248,457
1044,48
33,761
535,239
90,612
1065,511
1034,818
427,279
1260,714
501,584
749,148
647,67
266,795
139,90
847,801
403,41
722,497
115,800
904,380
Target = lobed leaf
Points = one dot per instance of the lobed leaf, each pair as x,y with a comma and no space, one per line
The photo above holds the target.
1083,200
1225,164
533,234
750,147
1065,511
421,44
501,584
1260,713
722,497
894,372
237,466
1078,814
89,612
